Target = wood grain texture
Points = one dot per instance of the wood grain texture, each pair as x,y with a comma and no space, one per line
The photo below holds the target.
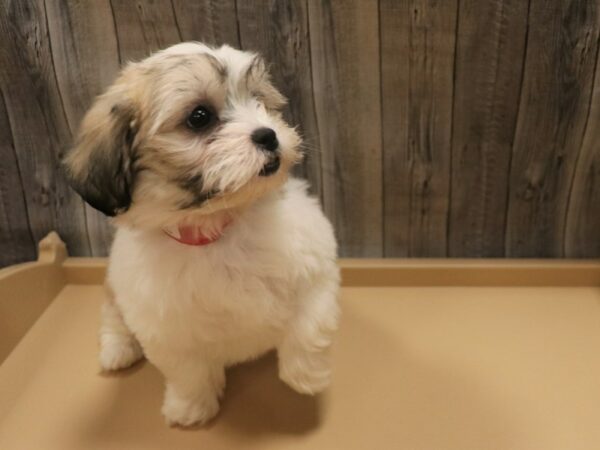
16,240
463,128
582,227
84,68
213,22
345,66
38,129
143,27
279,31
557,82
417,60
489,65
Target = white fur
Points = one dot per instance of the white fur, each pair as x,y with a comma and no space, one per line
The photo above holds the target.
270,282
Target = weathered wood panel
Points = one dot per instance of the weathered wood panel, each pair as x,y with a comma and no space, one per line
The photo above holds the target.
417,59
345,65
143,26
86,60
40,134
279,31
489,64
16,239
213,22
458,128
559,69
583,213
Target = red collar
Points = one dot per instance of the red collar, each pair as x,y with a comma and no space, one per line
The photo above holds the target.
193,235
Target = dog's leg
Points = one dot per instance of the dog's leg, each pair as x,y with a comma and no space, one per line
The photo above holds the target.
303,353
118,346
193,388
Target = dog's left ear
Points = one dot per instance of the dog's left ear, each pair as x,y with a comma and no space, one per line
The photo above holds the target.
100,167
259,80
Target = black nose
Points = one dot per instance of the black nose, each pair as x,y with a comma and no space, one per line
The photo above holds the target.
265,138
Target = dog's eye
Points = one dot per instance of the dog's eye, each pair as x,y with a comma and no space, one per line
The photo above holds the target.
199,118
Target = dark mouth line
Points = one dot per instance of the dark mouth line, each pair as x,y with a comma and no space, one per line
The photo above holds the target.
271,167
193,185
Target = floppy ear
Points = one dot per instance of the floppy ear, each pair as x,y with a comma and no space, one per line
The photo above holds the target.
259,80
100,165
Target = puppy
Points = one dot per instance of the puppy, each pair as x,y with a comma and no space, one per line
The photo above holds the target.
218,256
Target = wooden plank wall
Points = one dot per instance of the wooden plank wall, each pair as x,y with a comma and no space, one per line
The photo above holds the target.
462,128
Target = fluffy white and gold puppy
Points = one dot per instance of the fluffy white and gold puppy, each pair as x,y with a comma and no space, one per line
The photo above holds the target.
218,256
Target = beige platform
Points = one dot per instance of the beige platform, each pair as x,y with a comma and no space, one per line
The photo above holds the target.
431,355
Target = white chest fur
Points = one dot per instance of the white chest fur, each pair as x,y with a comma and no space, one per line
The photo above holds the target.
233,297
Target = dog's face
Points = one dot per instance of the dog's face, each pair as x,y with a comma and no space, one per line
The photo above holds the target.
187,132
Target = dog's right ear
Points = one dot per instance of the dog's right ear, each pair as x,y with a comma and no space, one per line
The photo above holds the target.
100,165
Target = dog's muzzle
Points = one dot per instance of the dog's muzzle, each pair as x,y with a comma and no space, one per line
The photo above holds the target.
266,140
271,167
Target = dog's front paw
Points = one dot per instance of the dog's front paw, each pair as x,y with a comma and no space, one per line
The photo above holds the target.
185,411
118,352
307,373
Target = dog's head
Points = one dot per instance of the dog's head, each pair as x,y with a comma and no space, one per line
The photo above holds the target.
191,130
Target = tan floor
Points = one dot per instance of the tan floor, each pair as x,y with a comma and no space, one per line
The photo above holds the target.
415,368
